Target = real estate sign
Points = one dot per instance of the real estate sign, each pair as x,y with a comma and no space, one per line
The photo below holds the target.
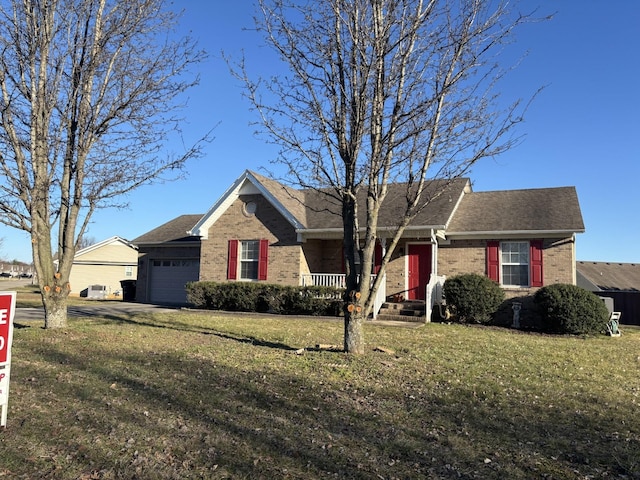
7,310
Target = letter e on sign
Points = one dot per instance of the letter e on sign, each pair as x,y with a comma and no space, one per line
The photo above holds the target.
7,306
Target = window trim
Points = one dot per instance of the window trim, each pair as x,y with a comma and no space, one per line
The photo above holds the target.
536,262
253,261
504,264
234,260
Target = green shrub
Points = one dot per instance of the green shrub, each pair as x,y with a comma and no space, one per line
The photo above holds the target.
474,298
570,309
265,297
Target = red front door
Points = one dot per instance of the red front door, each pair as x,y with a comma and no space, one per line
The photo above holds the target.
419,270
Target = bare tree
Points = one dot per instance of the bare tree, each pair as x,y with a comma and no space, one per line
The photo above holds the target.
88,94
85,241
382,91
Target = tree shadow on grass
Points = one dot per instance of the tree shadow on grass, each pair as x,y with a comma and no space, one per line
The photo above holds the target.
143,319
171,414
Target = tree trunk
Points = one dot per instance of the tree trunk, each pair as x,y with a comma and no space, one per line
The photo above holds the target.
353,332
53,282
55,309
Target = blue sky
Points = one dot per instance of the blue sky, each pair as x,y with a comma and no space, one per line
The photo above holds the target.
582,130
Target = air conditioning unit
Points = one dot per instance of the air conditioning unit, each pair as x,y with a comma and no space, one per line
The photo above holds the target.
97,292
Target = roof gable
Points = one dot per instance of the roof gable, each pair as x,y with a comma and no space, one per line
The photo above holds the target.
104,243
288,202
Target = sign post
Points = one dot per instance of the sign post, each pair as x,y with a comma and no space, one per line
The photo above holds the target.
7,310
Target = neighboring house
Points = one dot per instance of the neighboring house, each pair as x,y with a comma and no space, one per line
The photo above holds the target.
106,263
261,230
619,281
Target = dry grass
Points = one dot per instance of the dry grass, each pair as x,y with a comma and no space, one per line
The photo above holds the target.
197,395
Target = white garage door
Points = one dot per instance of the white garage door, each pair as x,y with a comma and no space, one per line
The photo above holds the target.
168,278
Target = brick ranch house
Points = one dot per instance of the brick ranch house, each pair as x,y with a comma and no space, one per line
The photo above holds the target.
261,230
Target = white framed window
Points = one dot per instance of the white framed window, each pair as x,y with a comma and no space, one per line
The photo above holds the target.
128,271
514,261
249,259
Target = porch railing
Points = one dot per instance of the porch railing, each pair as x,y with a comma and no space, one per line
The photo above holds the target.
434,295
381,296
338,280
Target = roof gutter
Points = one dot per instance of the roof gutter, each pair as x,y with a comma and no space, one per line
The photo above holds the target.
337,232
511,234
171,243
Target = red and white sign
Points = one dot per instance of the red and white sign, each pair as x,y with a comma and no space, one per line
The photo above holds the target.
7,310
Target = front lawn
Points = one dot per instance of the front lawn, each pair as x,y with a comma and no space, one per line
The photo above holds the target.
201,395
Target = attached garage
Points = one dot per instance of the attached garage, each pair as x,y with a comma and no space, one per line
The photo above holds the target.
168,258
169,277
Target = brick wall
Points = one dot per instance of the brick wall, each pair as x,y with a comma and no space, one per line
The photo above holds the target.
462,256
285,254
324,256
559,261
396,269
469,256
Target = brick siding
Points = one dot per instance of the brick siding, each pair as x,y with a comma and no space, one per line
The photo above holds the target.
285,255
469,256
288,258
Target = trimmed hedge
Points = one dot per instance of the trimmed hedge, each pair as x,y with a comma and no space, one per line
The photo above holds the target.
265,297
474,298
566,308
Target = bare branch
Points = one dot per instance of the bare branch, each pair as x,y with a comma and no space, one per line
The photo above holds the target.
381,92
89,95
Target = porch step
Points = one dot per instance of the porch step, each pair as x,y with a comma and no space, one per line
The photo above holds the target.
408,311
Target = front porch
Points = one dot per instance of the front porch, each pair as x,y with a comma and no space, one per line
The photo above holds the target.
401,310
339,280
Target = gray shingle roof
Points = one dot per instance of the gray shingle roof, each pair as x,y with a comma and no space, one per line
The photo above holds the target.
541,209
441,198
173,231
452,207
611,276
317,210
293,200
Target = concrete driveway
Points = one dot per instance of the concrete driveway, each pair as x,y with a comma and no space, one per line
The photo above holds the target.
102,309
110,309
8,284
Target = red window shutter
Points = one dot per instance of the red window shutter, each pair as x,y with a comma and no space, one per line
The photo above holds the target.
263,259
377,258
493,260
535,263
232,261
